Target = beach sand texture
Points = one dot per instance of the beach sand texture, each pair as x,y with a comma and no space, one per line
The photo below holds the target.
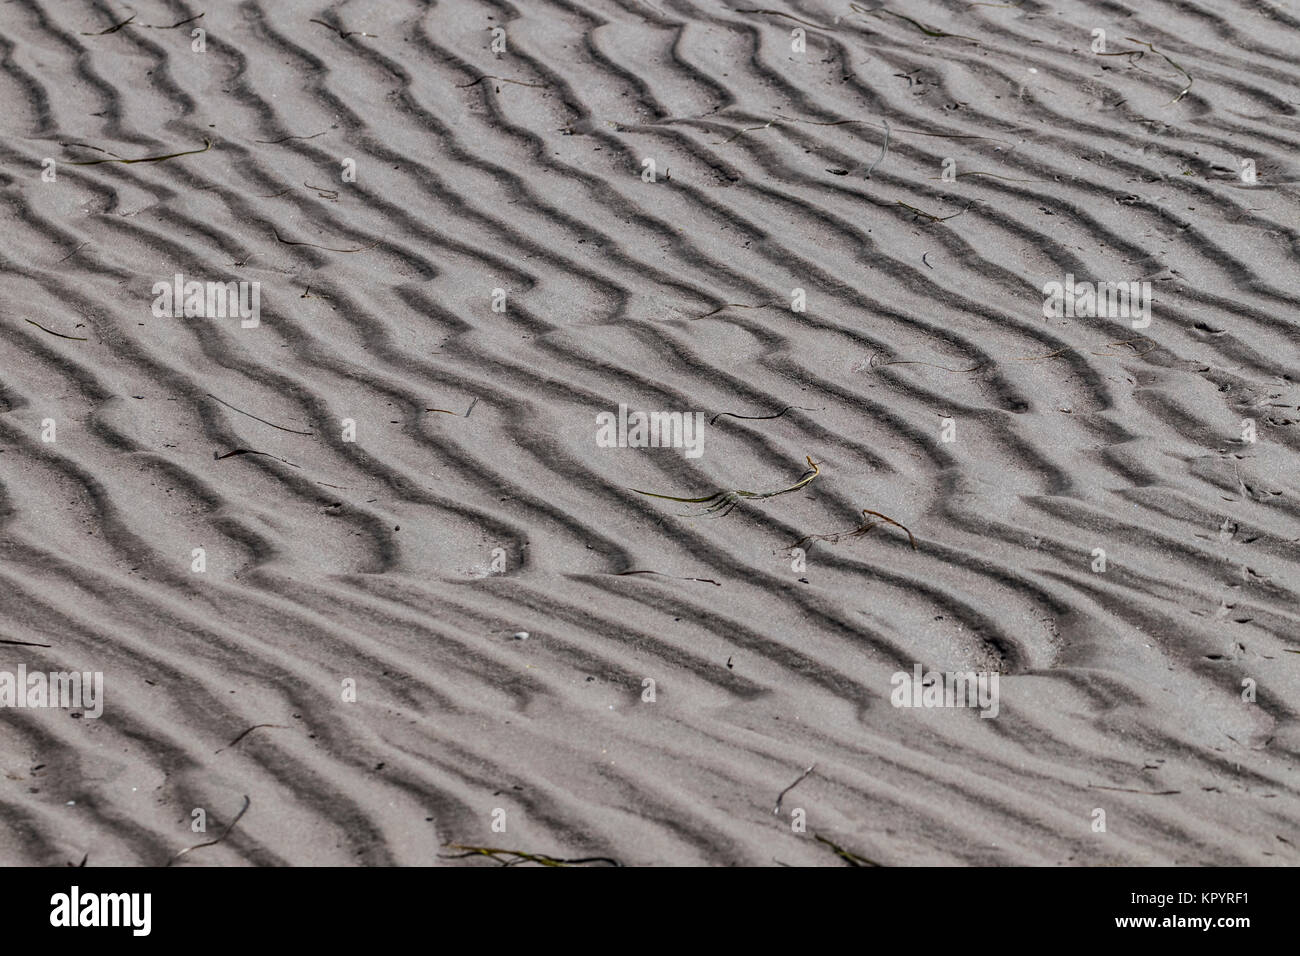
332,525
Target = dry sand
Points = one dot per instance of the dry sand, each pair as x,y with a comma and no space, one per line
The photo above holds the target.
374,561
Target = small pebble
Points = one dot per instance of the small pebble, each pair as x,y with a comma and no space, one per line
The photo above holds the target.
521,635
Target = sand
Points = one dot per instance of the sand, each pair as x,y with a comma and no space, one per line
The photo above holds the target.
335,525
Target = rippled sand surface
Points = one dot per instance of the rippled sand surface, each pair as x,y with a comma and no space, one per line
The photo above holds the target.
331,525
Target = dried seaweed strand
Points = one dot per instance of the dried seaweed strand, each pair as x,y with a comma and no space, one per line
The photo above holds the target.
291,242
1039,358
734,305
75,338
778,121
834,537
73,252
888,520
207,145
343,33
914,132
720,503
776,810
932,218
495,853
761,418
499,79
661,574
457,414
87,146
874,364
852,859
1139,53
247,732
178,23
976,172
224,833
112,29
292,431
1129,342
283,139
778,13
883,149
249,451
741,132
924,29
